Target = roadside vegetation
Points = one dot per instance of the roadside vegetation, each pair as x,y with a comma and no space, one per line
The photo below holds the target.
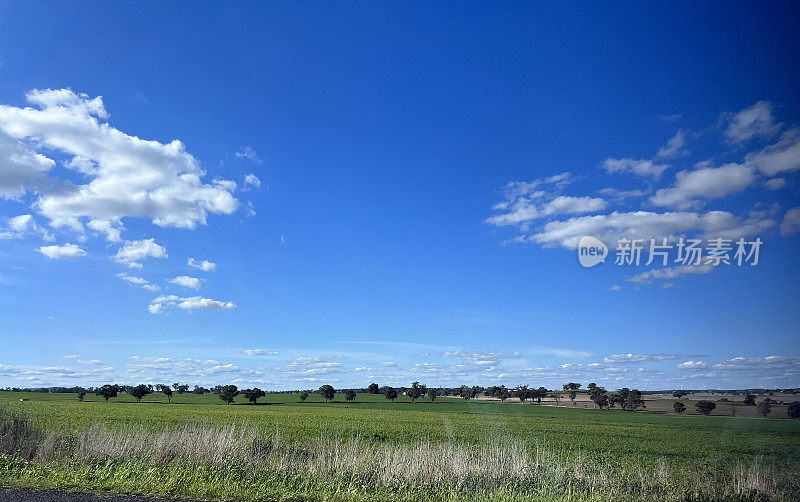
362,446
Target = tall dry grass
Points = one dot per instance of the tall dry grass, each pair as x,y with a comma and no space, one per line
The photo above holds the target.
504,465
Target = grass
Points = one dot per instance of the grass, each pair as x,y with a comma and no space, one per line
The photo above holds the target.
562,453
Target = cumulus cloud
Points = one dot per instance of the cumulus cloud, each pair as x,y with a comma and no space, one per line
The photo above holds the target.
752,122
649,276
643,168
527,201
23,225
205,265
138,281
311,368
187,282
782,157
646,225
161,304
62,251
692,188
791,222
775,183
252,179
185,369
640,358
692,365
674,147
21,168
132,252
126,176
259,352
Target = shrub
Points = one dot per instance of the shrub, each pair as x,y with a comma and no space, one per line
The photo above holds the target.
679,407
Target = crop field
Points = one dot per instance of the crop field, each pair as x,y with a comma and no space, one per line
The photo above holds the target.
474,450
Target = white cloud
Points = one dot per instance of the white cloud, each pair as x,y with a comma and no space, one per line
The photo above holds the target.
671,118
308,368
205,265
111,229
138,281
640,358
692,365
22,225
527,201
649,276
63,251
249,154
646,225
782,157
674,147
134,251
615,287
182,369
21,168
775,183
691,187
129,176
70,356
160,304
187,282
791,222
259,352
252,179
643,168
755,121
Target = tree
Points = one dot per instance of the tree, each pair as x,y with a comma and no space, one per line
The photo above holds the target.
793,410
632,400
107,391
679,407
432,394
81,395
572,386
350,395
140,391
556,397
327,392
199,390
303,396
539,394
165,390
228,393
764,407
415,392
572,395
705,407
598,396
749,400
253,394
522,393
465,392
373,388
390,393
679,394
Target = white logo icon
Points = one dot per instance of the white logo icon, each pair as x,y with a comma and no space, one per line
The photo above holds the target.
591,251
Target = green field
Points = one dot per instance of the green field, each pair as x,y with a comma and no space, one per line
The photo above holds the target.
616,442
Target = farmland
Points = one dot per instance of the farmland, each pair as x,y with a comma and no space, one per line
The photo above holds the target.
627,450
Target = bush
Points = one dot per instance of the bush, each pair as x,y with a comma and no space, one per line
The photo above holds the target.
679,407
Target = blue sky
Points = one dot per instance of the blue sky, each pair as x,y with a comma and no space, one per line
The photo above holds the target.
381,190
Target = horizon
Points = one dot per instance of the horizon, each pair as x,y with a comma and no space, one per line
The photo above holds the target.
310,194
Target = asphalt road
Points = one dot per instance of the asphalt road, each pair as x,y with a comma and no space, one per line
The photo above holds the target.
13,495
